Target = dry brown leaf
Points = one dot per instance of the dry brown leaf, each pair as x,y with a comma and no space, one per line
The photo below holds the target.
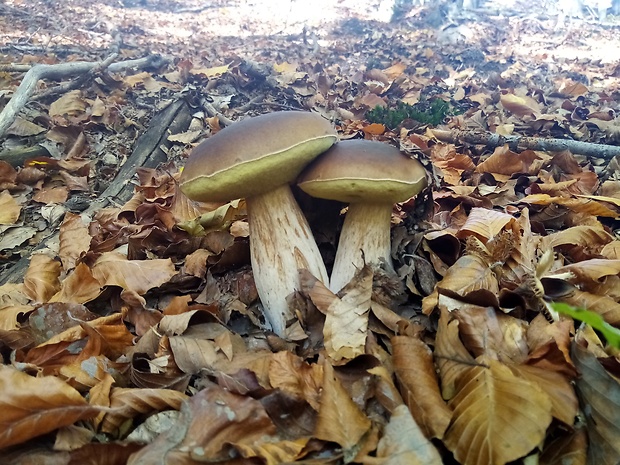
74,240
274,453
520,106
593,269
111,326
35,406
450,354
403,442
9,316
611,250
550,344
602,198
346,321
210,72
340,420
570,449
192,354
582,205
41,280
469,274
570,88
498,417
70,103
292,375
564,404
600,396
131,402
524,257
592,237
9,208
210,421
505,162
486,332
78,287
484,224
415,371
114,269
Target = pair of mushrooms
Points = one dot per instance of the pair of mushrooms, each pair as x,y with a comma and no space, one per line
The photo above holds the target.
257,158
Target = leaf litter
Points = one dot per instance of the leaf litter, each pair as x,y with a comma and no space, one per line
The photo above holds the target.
149,306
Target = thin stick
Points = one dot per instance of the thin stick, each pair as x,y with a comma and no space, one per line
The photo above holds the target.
60,71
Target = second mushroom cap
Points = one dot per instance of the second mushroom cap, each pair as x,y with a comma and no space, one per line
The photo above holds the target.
363,171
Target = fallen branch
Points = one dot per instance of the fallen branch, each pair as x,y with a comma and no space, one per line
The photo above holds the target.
77,82
532,143
61,71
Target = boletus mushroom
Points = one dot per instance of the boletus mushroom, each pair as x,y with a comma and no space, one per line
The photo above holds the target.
371,176
257,159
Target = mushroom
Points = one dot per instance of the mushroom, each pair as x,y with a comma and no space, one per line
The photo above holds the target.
371,177
257,158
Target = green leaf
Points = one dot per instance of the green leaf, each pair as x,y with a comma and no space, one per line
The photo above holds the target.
595,320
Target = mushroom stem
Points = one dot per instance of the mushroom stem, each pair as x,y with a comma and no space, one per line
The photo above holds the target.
281,243
365,238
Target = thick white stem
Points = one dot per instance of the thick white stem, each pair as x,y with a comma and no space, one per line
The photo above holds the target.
281,242
366,228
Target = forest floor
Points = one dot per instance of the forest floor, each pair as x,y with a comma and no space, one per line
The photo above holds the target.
130,332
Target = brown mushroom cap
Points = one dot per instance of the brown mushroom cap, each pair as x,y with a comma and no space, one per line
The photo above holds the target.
255,155
360,171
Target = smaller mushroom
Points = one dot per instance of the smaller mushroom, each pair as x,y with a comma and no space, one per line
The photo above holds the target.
371,176
257,158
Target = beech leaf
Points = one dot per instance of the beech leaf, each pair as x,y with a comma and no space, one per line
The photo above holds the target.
498,417
41,280
340,419
346,321
403,442
131,402
34,406
599,394
74,240
9,209
114,269
413,364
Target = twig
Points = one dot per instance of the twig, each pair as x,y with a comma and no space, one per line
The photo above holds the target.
253,102
60,71
211,111
57,50
15,68
74,84
533,143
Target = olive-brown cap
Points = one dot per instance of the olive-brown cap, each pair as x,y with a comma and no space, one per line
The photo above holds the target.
363,171
255,155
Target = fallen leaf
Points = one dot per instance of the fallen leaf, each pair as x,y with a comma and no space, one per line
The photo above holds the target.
210,422
340,419
599,393
71,103
346,320
114,269
35,406
415,371
498,417
403,442
128,403
41,280
74,240
9,208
